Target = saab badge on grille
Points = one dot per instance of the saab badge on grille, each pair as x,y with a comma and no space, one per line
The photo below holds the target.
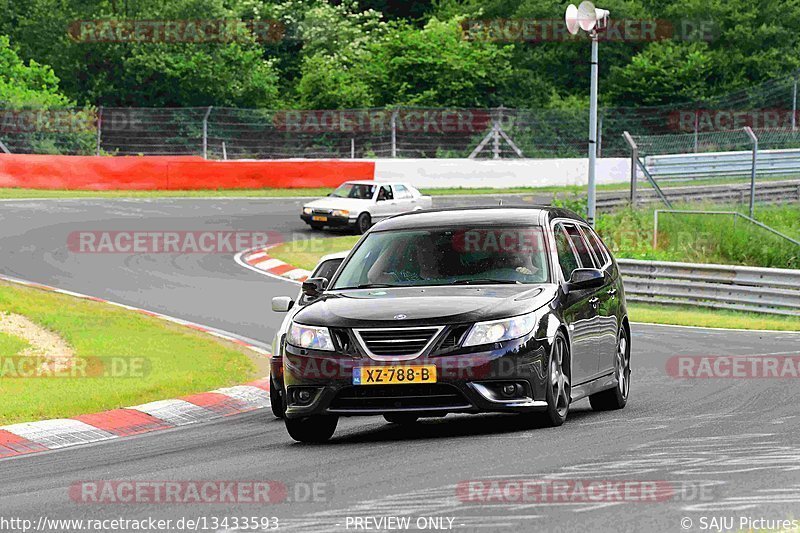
400,317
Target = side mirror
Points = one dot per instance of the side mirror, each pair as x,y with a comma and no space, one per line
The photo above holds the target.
313,287
281,304
585,278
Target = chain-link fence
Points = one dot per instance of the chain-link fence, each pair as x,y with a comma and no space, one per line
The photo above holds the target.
229,133
219,132
754,165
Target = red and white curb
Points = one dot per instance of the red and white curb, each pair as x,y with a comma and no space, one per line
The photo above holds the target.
259,261
32,437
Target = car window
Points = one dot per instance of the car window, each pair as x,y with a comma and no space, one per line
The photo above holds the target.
580,245
447,256
566,255
327,269
360,191
600,252
401,192
385,193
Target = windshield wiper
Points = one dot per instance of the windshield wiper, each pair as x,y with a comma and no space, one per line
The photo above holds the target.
487,281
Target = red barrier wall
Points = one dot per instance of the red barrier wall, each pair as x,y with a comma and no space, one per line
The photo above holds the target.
172,173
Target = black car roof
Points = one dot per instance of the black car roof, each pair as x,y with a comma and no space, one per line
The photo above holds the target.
478,216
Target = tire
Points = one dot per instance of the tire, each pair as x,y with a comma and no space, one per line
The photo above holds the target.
616,398
363,223
558,384
401,418
312,429
316,227
276,401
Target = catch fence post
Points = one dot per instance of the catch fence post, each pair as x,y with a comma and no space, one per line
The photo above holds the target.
205,132
99,129
749,131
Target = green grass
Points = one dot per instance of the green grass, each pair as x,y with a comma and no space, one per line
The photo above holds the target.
306,253
179,361
10,345
690,316
18,193
705,238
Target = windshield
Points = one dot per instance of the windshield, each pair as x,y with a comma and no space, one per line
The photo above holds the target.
354,190
466,255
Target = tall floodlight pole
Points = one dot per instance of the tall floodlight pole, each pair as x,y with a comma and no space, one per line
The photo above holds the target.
592,199
593,21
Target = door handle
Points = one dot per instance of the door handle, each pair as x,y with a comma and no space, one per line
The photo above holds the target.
594,301
612,293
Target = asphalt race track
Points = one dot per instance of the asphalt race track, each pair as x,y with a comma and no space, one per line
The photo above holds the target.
725,447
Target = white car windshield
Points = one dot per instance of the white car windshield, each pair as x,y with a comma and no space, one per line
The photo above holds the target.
452,256
362,191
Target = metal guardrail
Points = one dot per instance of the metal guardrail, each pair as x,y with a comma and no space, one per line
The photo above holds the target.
723,164
766,192
761,290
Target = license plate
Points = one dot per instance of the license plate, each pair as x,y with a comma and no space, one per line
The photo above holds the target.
394,375
319,219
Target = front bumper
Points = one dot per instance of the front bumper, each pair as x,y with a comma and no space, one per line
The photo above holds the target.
467,382
331,221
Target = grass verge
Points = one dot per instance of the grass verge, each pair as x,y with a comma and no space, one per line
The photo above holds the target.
10,345
692,238
19,193
707,318
306,254
177,360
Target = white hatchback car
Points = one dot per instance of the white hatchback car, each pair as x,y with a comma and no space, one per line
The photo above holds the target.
359,204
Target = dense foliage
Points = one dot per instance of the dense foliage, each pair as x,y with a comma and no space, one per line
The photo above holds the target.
348,53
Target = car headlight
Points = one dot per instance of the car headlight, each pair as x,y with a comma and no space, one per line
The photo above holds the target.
310,337
341,213
307,210
503,330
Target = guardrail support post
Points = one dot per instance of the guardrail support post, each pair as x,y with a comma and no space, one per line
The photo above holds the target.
205,132
634,170
749,131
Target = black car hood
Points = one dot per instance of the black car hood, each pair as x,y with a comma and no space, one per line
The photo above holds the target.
424,305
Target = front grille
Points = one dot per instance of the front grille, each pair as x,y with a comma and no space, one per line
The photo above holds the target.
322,211
420,396
396,341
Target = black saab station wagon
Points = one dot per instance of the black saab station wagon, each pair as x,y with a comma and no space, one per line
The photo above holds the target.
515,310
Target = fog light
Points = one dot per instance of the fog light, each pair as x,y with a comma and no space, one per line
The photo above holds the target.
509,389
304,396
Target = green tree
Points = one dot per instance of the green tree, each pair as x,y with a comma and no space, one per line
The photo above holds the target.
145,73
27,85
436,66
665,72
